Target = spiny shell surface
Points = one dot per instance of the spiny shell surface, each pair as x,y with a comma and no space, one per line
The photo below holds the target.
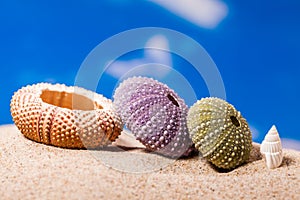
155,114
48,114
271,148
219,132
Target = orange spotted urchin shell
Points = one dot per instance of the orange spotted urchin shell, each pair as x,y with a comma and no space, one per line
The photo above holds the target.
70,117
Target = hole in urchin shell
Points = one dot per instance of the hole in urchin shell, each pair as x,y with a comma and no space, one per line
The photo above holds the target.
235,121
173,100
71,101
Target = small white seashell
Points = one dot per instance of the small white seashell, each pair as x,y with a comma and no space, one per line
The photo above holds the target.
272,149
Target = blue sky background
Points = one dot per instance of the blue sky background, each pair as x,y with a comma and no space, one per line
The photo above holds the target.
256,48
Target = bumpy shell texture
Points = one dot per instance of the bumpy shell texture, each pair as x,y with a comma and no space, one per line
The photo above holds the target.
271,148
155,114
62,116
219,132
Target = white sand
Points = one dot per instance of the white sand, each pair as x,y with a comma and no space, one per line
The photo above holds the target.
30,170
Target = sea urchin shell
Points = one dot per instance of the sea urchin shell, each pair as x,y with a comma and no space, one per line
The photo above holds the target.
219,132
155,114
62,116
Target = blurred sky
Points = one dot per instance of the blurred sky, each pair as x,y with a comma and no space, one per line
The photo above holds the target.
255,45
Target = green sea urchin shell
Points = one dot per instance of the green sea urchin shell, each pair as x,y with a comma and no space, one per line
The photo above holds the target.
219,132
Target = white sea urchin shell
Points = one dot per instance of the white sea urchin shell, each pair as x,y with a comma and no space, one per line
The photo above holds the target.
272,149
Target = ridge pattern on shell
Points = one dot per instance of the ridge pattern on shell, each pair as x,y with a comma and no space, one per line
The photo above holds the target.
43,112
219,132
155,114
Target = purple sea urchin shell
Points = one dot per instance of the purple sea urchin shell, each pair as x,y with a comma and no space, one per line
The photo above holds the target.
155,114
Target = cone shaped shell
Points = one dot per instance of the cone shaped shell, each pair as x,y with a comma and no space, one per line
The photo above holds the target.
271,148
62,116
219,132
155,114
